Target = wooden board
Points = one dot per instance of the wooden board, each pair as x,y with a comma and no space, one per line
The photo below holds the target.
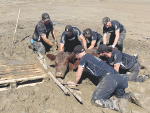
8,72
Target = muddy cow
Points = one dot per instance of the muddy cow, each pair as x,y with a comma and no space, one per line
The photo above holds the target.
65,60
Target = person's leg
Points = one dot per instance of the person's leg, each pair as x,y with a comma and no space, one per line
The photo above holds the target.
104,91
120,40
38,47
133,73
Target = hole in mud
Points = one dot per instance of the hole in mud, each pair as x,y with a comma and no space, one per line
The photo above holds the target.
29,82
4,86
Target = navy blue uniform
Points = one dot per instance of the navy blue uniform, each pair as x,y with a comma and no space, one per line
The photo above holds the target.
127,64
71,42
39,44
115,25
95,37
111,83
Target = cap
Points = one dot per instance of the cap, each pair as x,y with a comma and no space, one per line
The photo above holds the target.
102,48
79,49
88,32
45,17
68,29
105,20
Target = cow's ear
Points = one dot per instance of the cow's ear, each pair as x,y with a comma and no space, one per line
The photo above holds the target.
71,66
71,56
51,57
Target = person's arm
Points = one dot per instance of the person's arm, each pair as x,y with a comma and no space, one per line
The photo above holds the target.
104,38
53,35
83,41
61,47
78,74
46,40
116,67
92,44
117,32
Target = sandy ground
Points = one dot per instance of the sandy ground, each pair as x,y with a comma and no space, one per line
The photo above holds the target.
47,97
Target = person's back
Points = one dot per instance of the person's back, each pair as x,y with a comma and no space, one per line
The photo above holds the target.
42,29
96,66
126,61
71,41
93,38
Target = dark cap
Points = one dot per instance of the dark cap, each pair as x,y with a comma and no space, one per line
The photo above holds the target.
88,32
105,20
79,49
68,29
102,48
45,17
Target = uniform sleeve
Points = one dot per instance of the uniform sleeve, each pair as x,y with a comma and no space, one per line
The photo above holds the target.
116,26
62,40
82,63
94,36
78,31
117,57
41,30
84,33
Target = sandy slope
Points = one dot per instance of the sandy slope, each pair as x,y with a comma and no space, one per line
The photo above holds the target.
47,97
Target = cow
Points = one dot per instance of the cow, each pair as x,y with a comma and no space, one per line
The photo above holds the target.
66,60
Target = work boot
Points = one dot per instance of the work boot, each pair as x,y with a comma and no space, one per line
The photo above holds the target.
131,98
142,78
110,104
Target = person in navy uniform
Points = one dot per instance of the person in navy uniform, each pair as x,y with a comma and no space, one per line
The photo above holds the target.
39,41
122,63
70,38
117,30
110,81
93,38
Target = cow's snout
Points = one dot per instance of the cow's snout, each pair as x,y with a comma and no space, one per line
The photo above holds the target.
59,74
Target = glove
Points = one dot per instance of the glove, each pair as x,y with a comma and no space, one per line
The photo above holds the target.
113,46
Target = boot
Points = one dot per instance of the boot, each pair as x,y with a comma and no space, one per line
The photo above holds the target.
110,104
142,78
131,98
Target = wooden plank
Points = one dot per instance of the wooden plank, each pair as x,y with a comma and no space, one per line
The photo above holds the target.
19,71
65,90
22,79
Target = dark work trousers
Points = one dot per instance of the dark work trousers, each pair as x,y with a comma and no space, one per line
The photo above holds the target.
133,73
41,47
119,44
112,84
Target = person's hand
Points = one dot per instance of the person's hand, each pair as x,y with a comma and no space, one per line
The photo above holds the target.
71,83
56,42
53,48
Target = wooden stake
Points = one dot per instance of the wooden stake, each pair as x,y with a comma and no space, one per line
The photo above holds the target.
16,27
59,84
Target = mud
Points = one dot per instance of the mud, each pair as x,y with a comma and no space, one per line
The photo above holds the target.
47,97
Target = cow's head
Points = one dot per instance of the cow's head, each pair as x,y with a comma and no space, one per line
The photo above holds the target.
62,60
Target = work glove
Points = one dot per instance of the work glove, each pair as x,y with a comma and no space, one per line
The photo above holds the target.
113,46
